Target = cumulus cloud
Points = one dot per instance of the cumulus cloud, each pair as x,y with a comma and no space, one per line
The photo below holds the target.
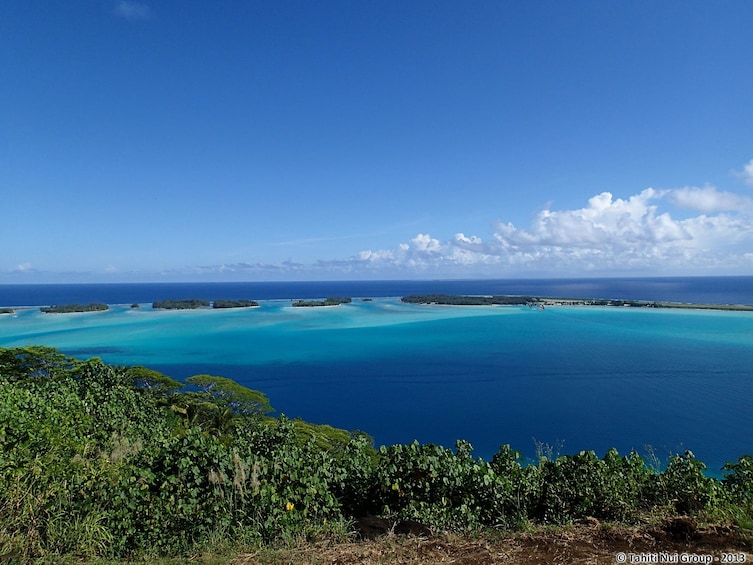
133,10
425,243
708,199
710,233
608,234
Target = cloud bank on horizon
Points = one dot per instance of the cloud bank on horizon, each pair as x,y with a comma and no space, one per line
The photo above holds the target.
636,235
689,230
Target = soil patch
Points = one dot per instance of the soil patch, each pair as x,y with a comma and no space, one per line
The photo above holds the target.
590,543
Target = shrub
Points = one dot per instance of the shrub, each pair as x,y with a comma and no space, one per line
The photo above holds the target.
430,484
684,486
582,485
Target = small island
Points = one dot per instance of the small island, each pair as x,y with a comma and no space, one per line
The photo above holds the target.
222,303
189,304
332,301
539,303
69,308
7,311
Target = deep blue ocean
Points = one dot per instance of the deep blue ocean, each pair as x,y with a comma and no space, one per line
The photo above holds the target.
568,378
712,290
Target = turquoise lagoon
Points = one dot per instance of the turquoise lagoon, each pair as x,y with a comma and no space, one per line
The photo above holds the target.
570,378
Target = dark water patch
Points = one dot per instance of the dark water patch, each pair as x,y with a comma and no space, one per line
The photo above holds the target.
397,404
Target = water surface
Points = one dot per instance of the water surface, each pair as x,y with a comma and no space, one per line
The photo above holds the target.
570,377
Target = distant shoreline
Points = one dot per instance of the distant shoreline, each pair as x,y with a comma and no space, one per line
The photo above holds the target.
474,300
717,290
644,304
541,302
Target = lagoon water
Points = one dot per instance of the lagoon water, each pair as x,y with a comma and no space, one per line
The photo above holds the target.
570,377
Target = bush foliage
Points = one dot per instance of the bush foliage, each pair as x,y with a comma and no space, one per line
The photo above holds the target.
100,460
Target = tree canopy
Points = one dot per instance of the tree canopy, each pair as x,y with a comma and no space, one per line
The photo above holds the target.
237,397
224,303
331,301
187,304
69,308
154,381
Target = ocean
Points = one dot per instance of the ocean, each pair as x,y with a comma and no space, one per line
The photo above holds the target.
559,380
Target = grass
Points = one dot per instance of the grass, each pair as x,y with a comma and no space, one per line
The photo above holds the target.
584,543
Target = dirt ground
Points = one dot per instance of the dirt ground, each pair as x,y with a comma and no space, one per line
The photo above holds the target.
590,543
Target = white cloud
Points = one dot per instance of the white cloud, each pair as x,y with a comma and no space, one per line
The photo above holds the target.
425,243
461,238
605,221
380,255
133,10
708,199
248,268
748,173
22,268
607,235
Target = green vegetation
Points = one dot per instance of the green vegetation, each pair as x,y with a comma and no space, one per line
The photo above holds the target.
641,304
189,304
125,462
234,303
195,303
467,300
333,301
459,300
631,303
68,308
6,311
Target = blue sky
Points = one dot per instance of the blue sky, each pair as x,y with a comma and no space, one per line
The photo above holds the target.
197,140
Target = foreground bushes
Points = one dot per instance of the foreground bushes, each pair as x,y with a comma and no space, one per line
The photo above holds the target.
100,460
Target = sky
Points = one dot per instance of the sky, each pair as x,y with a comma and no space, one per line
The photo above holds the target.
194,140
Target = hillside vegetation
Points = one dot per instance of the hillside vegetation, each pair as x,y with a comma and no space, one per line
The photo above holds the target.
102,460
